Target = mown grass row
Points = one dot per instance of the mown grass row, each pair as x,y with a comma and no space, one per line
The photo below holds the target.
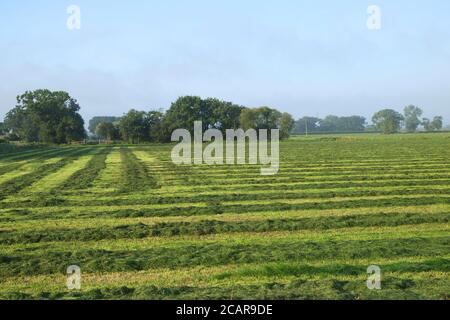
340,185
324,173
276,238
10,167
15,185
218,208
225,275
397,286
215,254
84,178
49,185
232,188
141,230
233,171
28,153
219,198
76,223
134,175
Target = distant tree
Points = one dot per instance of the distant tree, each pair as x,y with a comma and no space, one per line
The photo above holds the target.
329,124
213,113
133,127
71,128
94,122
307,125
388,121
437,123
287,124
352,124
426,123
267,118
107,130
19,121
46,116
371,128
185,111
342,124
154,122
225,115
248,118
260,118
433,125
2,129
412,118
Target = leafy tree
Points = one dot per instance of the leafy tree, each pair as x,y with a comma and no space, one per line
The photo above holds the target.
342,124
287,124
426,123
388,121
412,118
225,115
213,113
432,125
107,130
352,124
46,116
307,125
437,123
155,120
267,118
3,129
260,118
248,119
71,128
329,124
94,122
133,126
185,111
21,125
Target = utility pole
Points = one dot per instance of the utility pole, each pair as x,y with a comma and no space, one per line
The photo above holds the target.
306,126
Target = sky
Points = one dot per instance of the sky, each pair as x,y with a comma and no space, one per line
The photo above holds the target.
303,57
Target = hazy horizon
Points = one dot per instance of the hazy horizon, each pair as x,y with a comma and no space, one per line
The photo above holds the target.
310,59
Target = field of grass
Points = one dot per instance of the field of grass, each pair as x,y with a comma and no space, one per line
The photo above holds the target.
141,227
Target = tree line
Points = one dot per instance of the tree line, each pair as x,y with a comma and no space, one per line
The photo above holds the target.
330,124
53,117
387,121
390,121
157,126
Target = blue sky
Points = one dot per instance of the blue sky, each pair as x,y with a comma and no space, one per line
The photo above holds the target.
304,57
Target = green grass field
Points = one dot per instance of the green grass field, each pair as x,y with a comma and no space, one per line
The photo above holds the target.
142,228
